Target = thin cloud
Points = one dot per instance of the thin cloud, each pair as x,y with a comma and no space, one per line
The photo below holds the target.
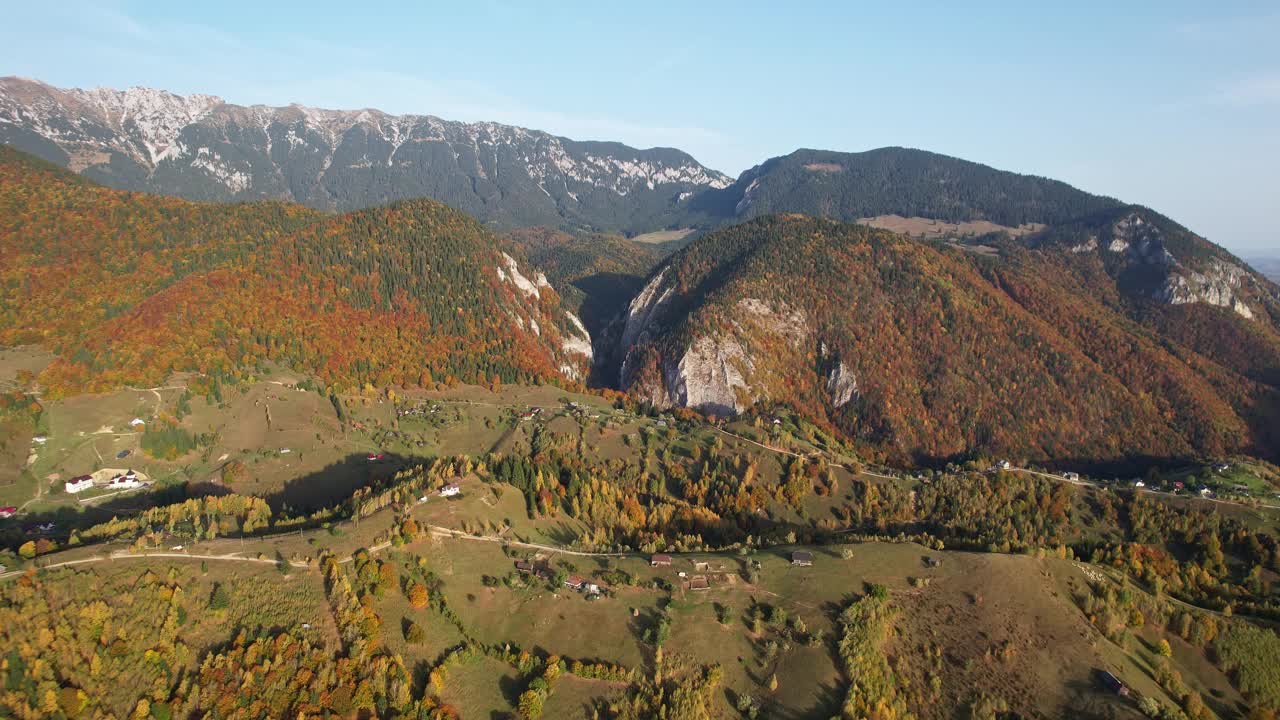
1255,90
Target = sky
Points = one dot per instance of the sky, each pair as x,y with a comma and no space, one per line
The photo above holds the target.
1174,105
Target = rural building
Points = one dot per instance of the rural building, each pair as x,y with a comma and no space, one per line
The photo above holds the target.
700,565
8,512
932,562
126,481
575,582
802,558
451,490
699,582
137,422
1113,684
79,483
524,567
657,560
1072,476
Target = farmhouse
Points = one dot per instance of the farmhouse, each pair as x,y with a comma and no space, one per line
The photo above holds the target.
1113,683
79,483
125,481
699,582
657,560
575,582
451,490
802,558
524,566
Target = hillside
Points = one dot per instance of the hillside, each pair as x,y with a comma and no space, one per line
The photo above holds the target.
929,351
936,593
202,148
127,288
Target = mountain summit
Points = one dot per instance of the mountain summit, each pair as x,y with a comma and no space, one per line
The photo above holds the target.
201,147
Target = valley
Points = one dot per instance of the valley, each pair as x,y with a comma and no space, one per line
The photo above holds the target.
326,413
967,622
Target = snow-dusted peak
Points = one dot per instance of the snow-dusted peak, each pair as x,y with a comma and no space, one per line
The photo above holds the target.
202,147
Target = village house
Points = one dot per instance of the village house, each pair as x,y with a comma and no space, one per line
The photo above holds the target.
575,582
451,490
802,558
657,560
78,483
125,481
1113,683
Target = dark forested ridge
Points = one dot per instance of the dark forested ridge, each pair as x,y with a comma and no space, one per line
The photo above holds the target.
930,351
896,181
128,287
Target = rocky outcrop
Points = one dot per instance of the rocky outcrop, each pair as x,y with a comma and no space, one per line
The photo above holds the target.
714,372
842,385
1137,242
1218,285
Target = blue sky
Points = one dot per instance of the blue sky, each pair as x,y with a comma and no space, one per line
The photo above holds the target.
1171,104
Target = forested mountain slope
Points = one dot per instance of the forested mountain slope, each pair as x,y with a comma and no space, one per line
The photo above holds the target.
127,287
895,181
200,147
927,351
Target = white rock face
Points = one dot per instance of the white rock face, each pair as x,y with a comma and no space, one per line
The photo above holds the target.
710,377
644,308
1087,246
783,321
1217,286
1142,243
513,275
579,341
842,386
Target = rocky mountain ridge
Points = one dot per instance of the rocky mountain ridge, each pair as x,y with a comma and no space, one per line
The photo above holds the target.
201,147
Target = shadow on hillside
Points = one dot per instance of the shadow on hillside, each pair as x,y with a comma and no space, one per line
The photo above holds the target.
1126,467
336,482
607,295
17,530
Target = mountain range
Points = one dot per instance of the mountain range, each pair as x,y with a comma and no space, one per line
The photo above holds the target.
925,306
202,148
